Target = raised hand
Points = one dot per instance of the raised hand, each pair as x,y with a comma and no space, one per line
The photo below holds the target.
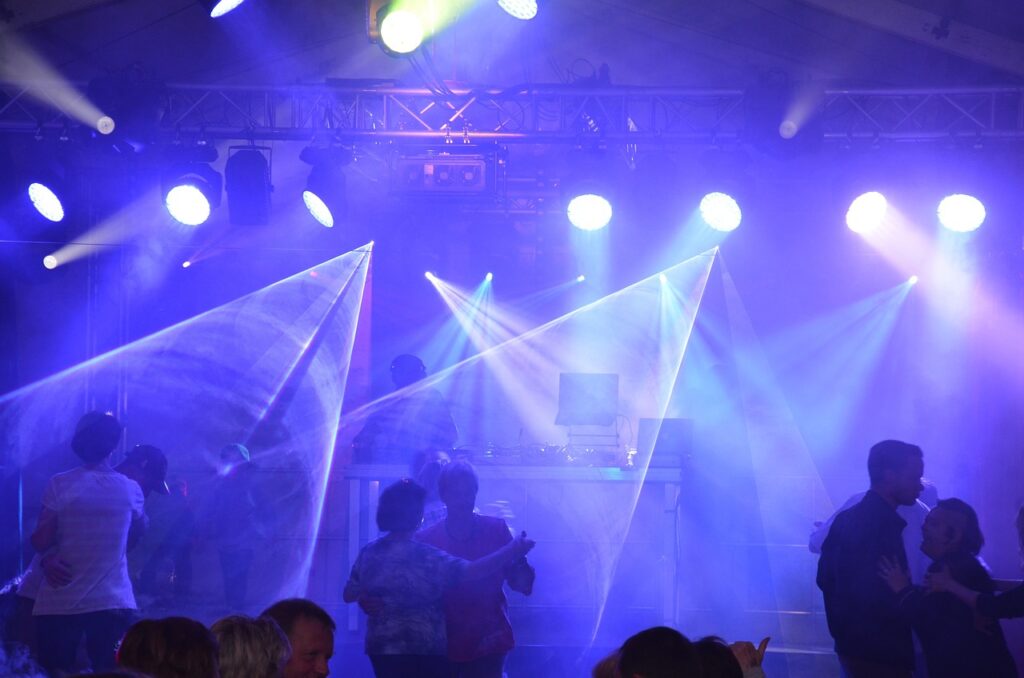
747,655
522,545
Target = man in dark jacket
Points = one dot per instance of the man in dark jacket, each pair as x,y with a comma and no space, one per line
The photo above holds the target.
872,638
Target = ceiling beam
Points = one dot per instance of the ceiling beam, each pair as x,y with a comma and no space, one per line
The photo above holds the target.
931,29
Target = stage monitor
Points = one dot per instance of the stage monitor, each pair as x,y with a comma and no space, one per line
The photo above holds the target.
672,445
586,399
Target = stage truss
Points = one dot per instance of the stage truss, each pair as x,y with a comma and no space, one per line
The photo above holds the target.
352,113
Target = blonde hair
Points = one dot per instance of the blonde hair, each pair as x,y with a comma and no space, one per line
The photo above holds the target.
251,648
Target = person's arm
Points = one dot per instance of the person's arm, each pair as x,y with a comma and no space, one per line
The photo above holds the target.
494,562
45,535
138,528
1006,605
353,587
140,522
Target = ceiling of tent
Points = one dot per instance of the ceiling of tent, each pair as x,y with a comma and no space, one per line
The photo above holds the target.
686,43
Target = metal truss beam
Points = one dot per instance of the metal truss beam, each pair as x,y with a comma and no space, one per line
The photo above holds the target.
545,115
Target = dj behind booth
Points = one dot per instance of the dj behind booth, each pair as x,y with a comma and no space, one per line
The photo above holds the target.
602,507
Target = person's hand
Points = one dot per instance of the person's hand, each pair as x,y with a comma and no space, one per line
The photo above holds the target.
371,605
521,545
893,575
520,576
940,580
56,571
747,655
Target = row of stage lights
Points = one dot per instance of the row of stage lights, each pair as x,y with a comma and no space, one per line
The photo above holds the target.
191,197
867,213
191,190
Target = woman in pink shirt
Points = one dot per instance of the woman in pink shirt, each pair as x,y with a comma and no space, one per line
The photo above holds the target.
476,612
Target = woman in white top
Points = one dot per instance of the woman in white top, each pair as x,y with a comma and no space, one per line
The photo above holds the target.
88,514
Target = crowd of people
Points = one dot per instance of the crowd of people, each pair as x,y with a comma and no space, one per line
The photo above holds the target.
434,594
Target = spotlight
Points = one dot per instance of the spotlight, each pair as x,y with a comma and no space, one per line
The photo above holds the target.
105,125
50,262
489,277
961,213
46,201
402,31
430,276
589,212
247,183
912,280
721,212
581,278
662,278
324,196
191,192
867,213
788,129
520,9
219,8
186,263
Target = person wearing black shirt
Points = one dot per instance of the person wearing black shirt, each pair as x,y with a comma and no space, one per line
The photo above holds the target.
872,638
957,642
1008,605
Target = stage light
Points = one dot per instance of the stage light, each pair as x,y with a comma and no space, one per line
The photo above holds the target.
662,278
186,263
489,277
247,183
589,212
912,280
105,125
46,201
324,195
429,276
867,212
961,213
50,261
721,212
190,186
788,129
520,9
219,8
188,205
581,278
402,31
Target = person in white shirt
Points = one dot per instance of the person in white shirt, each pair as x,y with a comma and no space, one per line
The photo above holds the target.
89,516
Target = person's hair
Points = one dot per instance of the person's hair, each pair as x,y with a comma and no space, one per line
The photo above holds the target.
607,667
459,468
96,436
658,652
251,648
890,455
286,612
717,659
175,647
400,507
972,539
